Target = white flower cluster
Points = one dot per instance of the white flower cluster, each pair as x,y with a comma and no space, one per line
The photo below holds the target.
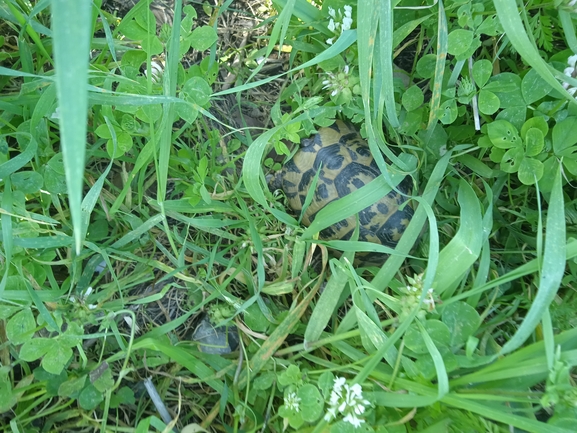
292,401
348,401
571,71
412,298
337,82
339,22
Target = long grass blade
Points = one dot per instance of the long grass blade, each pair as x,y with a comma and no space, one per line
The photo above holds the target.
71,24
554,258
464,249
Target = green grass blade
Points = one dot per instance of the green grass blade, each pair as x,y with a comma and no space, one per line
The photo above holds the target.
464,249
491,412
367,24
553,266
442,46
71,24
20,160
7,236
568,29
392,265
351,204
442,378
383,75
325,306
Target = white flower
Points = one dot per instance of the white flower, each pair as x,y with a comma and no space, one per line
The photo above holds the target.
348,401
351,418
338,22
346,24
571,71
292,401
331,25
331,414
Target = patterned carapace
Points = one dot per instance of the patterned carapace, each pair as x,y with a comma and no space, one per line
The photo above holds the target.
345,164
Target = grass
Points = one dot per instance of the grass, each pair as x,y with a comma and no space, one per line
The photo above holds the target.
135,209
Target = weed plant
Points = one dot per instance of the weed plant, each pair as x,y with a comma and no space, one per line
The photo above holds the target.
135,212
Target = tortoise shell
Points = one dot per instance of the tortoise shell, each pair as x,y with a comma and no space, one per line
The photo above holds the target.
346,164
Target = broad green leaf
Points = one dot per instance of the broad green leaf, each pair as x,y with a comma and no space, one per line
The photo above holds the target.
146,20
53,381
489,103
460,41
549,172
72,387
512,160
570,164
490,26
507,87
538,122
90,397
503,134
443,360
105,382
27,181
413,98
530,171
7,398
149,113
426,66
21,326
496,154
312,403
564,136
123,144
437,330
534,142
482,70
448,112
124,396
292,415
534,87
462,321
56,359
202,38
197,91
35,349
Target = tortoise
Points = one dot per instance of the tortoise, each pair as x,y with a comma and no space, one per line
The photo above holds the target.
346,164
